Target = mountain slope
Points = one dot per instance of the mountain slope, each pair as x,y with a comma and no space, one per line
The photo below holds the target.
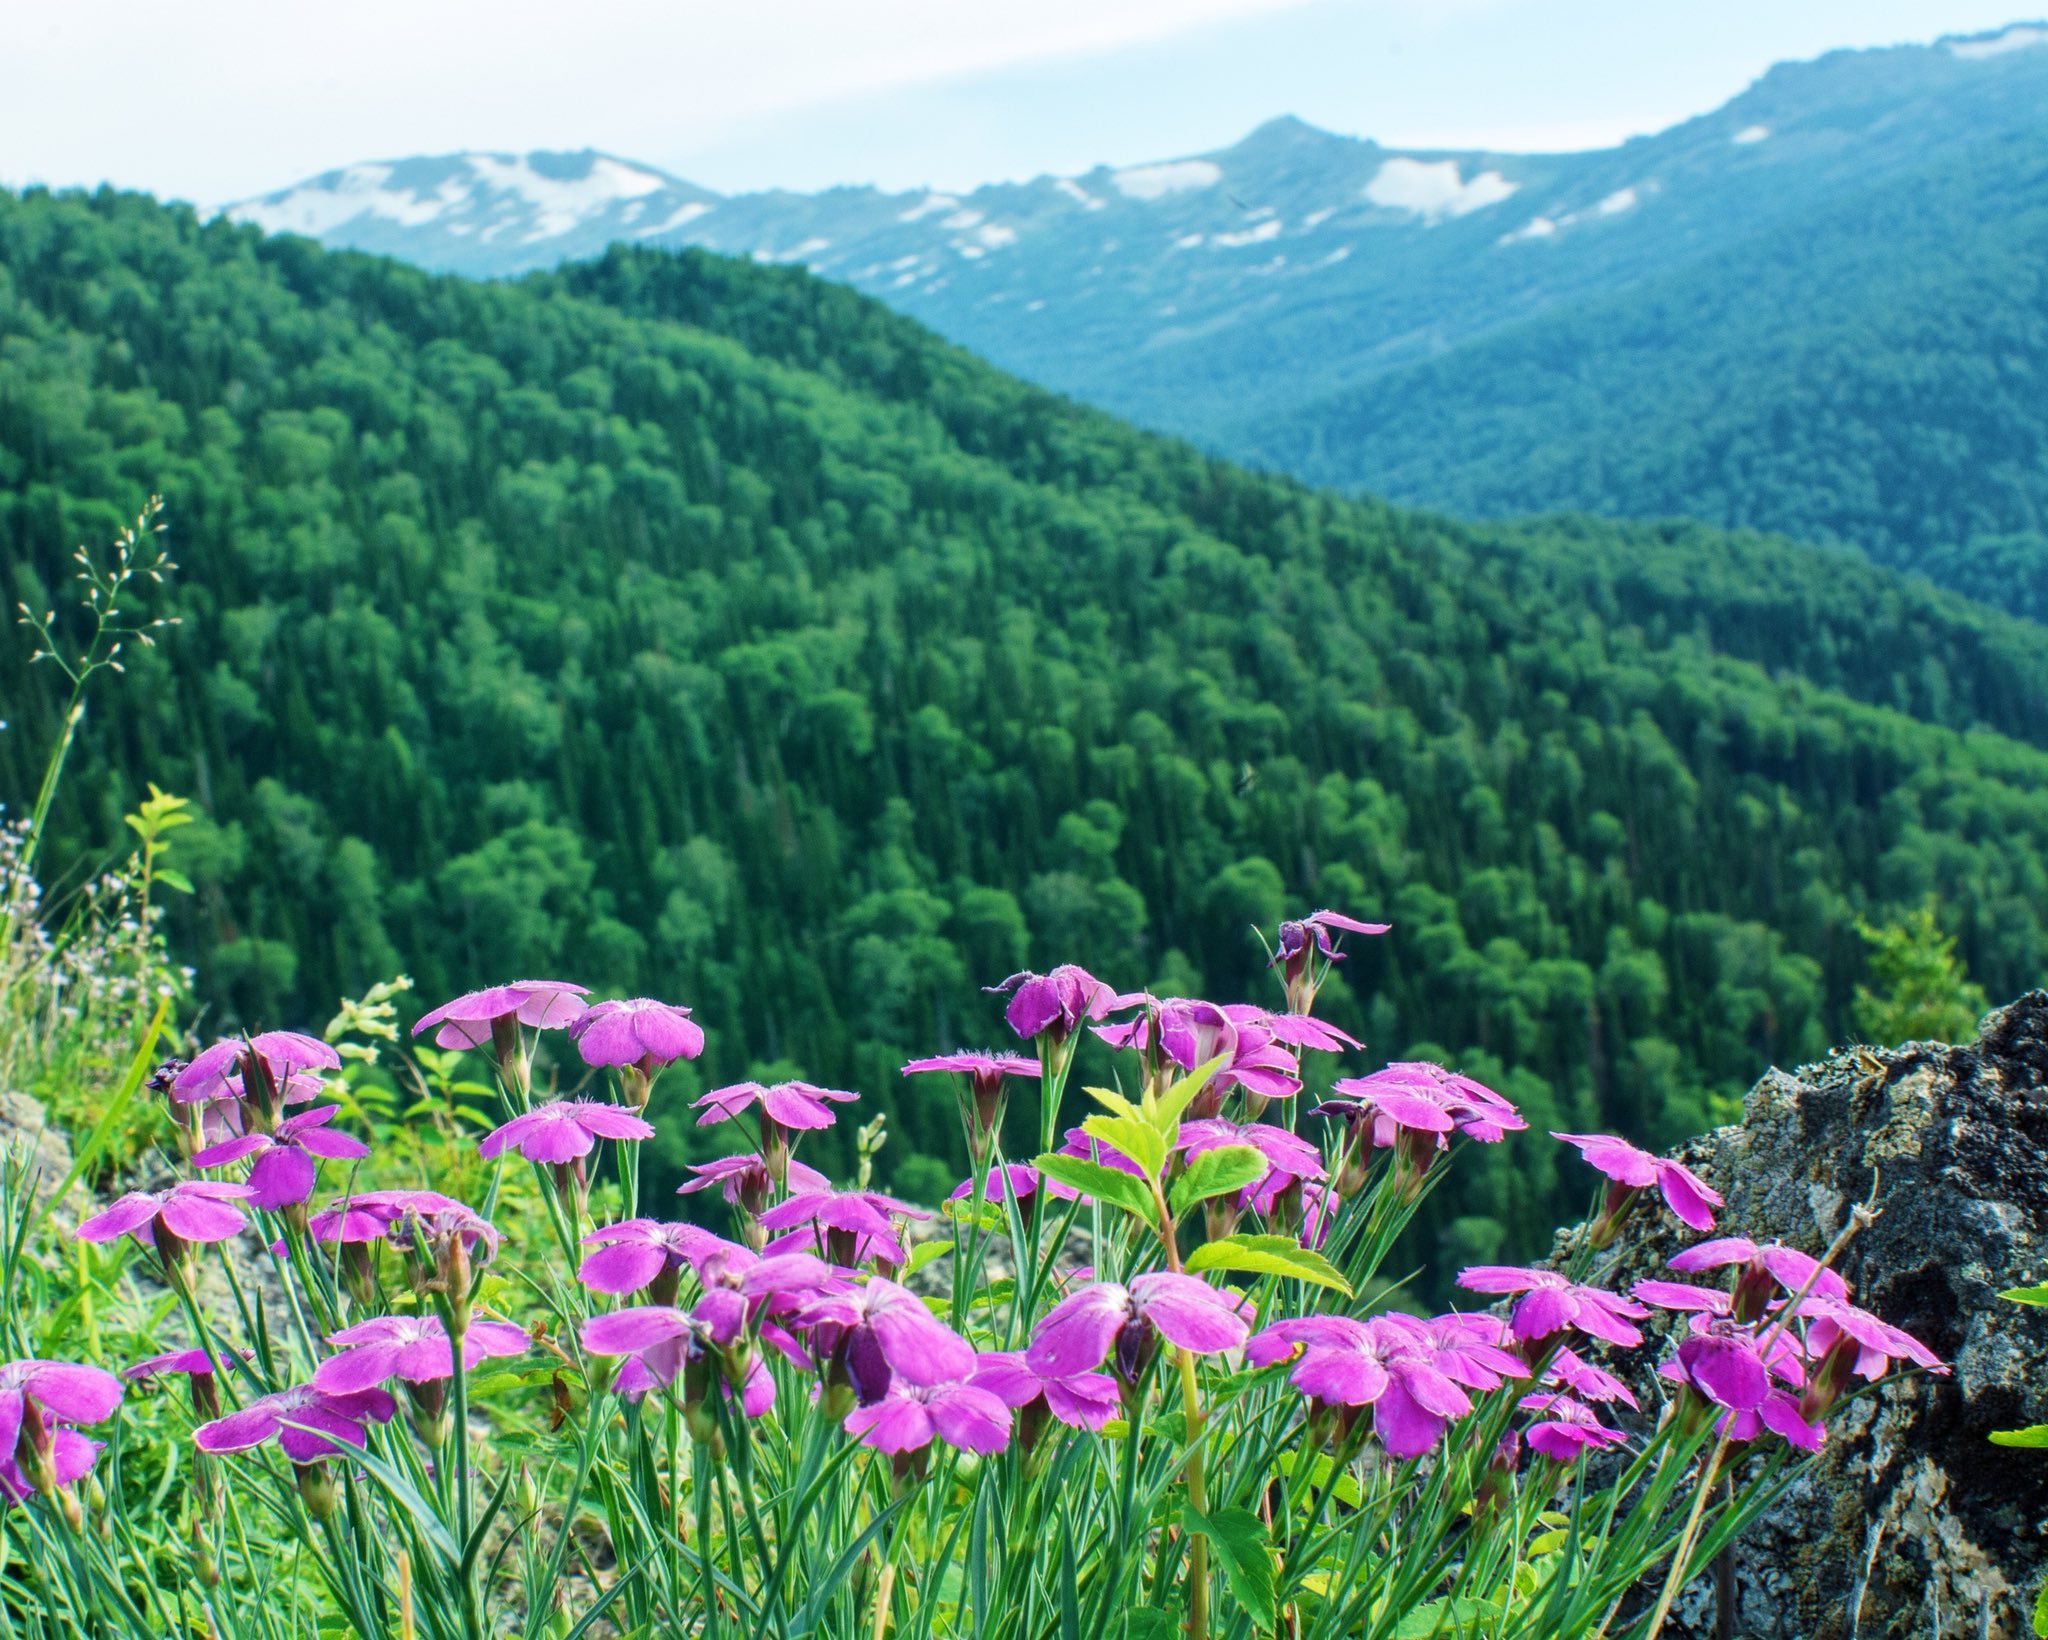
1422,323
704,629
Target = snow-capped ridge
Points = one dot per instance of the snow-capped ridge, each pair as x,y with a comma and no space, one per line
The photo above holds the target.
2013,37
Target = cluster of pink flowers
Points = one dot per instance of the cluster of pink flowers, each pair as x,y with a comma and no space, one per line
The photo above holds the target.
813,1280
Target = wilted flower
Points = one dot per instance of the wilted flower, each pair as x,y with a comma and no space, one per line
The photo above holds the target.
639,1036
986,1091
563,1131
1565,1429
1634,1171
1117,1318
1297,942
1553,1304
284,1172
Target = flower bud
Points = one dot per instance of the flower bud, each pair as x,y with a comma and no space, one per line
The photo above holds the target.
430,1420
1614,1211
316,1487
510,1053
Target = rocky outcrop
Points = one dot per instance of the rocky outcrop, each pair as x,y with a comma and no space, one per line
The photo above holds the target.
1912,1522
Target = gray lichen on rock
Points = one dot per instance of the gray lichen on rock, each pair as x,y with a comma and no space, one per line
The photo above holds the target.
1912,1522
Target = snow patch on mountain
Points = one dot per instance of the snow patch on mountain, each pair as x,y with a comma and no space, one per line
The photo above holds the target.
1434,189
1269,229
1749,134
1174,176
2017,37
318,207
683,214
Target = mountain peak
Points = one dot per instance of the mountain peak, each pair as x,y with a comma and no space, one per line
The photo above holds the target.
1998,42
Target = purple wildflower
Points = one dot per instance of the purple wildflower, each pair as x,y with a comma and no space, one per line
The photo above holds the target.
879,1332
1552,1304
1849,1342
412,1347
1566,1428
1341,1362
1084,1400
848,1225
908,1417
327,1420
1116,1318
663,1346
284,1172
640,1253
1634,1171
1732,1365
171,1221
1297,943
563,1131
1583,1380
64,1457
787,1109
280,1057
1079,1142
1013,1181
639,1036
35,1398
1765,1270
986,1092
1052,1007
478,1017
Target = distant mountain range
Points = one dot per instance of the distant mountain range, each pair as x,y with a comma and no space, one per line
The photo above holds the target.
1818,309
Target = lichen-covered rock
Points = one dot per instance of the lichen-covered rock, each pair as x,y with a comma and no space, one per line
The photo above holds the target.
1912,1523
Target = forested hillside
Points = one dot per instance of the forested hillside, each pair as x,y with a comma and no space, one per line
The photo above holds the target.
1873,375
699,628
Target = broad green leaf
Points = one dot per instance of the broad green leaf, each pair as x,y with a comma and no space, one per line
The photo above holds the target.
1216,1172
1149,1623
2041,1611
1165,1111
2027,1295
2032,1435
1105,1184
1112,1101
1546,1543
1243,1555
1137,1139
925,1252
1319,1469
1268,1256
173,879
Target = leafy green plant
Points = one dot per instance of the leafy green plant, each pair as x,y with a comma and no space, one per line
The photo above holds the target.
2034,1435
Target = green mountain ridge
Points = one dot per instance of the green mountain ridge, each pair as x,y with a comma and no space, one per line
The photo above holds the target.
706,630
1873,376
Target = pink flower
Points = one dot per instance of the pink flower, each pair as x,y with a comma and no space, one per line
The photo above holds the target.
743,1179
1086,1400
1340,1361
876,1333
35,1395
193,1210
284,1173
412,1347
564,1130
466,1022
1054,1005
986,1093
909,1417
639,1032
1079,1142
1117,1318
800,1106
1286,1154
306,1422
1191,1034
1407,1092
1584,1380
1013,1181
282,1056
1566,1429
1765,1271
663,1345
1554,1304
1634,1170
67,1456
635,1253
847,1225
1322,929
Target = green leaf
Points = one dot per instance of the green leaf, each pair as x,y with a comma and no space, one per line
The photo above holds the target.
2041,1611
925,1252
1105,1184
2032,1435
173,879
2027,1295
1149,1623
1165,1111
1112,1101
1448,1618
1243,1554
1216,1172
1268,1256
1137,1139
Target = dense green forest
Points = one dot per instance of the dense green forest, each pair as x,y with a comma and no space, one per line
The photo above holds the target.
1874,374
700,628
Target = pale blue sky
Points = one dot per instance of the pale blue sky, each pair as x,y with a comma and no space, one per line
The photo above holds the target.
213,100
